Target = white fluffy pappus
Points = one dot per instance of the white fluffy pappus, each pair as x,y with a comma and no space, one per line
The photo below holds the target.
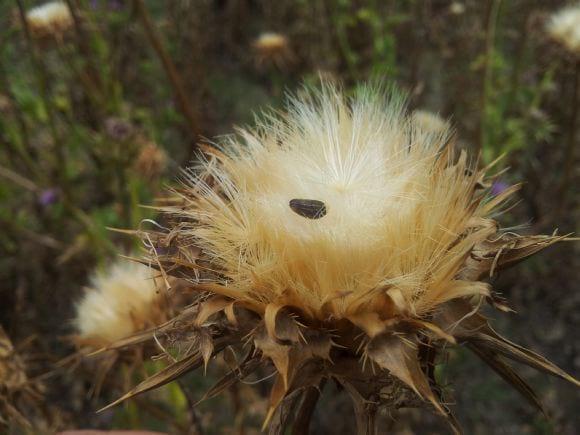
399,208
273,48
50,18
564,27
123,299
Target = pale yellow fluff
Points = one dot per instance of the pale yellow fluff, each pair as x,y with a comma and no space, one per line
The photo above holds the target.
429,121
120,300
271,41
396,202
49,18
564,27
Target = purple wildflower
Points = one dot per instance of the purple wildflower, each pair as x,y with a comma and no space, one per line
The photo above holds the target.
118,129
498,187
48,197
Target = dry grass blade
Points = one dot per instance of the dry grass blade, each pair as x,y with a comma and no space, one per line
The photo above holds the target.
511,377
168,374
494,342
230,379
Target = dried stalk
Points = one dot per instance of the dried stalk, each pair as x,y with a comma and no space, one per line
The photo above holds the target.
42,82
571,141
169,67
487,71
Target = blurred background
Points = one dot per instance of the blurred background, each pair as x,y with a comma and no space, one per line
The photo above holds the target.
103,101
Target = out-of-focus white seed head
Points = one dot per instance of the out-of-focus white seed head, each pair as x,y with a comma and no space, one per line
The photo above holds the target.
273,49
49,19
121,300
564,28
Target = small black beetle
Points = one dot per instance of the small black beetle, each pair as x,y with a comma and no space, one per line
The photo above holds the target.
308,208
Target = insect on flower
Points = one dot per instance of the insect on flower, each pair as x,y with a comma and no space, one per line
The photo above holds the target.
387,271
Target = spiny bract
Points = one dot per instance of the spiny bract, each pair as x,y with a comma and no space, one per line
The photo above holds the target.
339,241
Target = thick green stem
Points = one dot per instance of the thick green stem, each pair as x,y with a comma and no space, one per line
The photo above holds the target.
492,18
571,141
42,83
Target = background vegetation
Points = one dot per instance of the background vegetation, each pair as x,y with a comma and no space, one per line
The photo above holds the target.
97,120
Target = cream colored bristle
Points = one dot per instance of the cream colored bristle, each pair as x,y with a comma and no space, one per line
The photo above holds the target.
430,122
564,27
120,301
52,18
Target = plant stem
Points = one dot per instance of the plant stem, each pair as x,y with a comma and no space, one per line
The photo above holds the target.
492,18
83,46
571,141
170,68
194,419
26,151
42,82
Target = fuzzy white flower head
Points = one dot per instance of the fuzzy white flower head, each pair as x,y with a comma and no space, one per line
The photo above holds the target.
121,300
51,18
384,209
271,40
273,48
564,27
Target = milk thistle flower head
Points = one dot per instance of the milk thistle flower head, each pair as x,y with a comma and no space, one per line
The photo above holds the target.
340,241
273,49
151,161
50,19
564,27
124,298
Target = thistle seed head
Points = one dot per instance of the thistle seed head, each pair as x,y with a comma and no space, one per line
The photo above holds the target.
564,28
273,49
50,19
366,295
125,298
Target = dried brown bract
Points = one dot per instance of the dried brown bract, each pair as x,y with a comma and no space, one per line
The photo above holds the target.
20,397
